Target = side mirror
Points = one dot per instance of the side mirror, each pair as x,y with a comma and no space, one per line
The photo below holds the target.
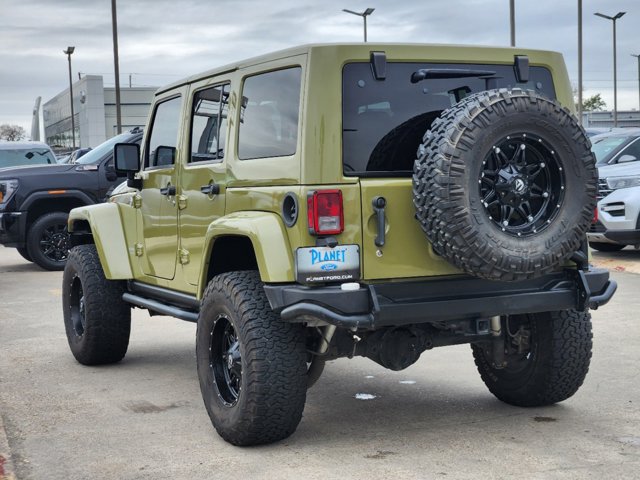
165,156
126,157
110,172
626,159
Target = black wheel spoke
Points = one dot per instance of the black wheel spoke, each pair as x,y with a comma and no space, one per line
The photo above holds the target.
488,199
522,192
489,181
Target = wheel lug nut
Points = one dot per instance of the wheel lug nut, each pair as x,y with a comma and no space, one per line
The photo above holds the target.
545,194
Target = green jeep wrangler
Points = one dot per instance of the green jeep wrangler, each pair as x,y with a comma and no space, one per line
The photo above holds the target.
329,201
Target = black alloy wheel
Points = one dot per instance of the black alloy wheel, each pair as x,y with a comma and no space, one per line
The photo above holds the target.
77,307
48,241
54,242
225,360
522,184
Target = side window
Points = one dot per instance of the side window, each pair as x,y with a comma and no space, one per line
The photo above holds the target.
269,116
161,147
209,124
633,150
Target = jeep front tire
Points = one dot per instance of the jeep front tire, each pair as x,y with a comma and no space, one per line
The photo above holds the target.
96,319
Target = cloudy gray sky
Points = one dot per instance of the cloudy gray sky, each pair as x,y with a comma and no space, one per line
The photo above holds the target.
162,40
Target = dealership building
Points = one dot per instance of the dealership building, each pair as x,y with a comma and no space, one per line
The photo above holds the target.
94,113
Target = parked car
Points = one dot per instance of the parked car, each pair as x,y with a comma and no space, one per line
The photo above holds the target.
616,146
35,201
617,222
21,154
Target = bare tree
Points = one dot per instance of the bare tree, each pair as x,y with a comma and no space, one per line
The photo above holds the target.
12,133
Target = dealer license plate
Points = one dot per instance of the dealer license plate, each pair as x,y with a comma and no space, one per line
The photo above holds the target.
325,264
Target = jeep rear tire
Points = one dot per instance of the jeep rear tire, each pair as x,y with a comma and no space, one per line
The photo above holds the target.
251,364
48,241
551,369
505,185
96,319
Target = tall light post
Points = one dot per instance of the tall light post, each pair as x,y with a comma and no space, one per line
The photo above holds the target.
638,57
512,21
580,61
364,16
615,71
116,63
68,53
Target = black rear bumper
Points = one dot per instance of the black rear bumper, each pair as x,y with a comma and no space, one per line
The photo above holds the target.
441,299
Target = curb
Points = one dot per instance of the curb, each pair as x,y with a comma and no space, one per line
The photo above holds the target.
6,466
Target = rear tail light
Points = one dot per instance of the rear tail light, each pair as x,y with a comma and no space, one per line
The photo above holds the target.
595,215
324,212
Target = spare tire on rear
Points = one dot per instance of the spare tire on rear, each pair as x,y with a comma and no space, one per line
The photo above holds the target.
505,185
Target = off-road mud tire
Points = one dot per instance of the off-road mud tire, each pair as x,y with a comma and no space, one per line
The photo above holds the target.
448,171
102,335
556,366
272,389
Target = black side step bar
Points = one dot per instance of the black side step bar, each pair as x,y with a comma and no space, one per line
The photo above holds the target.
163,301
160,307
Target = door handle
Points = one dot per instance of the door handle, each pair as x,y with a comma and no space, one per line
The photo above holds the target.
378,207
169,191
210,189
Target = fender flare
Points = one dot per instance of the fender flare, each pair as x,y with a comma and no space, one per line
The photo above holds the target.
107,228
45,195
268,236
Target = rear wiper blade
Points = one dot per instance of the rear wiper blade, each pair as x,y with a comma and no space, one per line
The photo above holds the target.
425,73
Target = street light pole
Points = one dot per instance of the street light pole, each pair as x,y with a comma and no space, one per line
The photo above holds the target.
615,70
364,16
68,53
638,57
580,61
512,21
116,62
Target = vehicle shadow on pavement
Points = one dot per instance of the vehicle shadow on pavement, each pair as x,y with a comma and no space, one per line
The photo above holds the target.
387,406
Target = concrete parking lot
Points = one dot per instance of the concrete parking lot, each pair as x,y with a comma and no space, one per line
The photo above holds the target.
144,418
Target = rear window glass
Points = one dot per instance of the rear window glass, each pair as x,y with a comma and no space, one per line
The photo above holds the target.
26,156
269,117
384,121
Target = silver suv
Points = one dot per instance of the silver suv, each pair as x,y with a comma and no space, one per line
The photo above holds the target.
618,213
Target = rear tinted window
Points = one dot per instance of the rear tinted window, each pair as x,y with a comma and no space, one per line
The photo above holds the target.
269,119
26,156
383,121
